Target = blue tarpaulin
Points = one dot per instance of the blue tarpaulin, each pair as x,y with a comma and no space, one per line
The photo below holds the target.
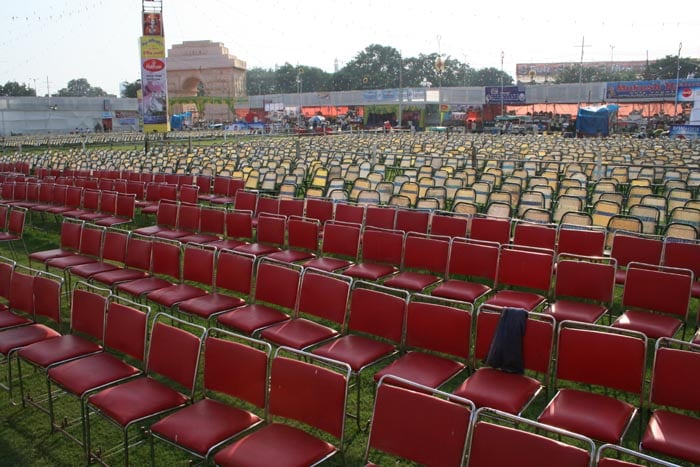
596,121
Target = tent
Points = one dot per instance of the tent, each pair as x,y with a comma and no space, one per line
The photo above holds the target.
596,121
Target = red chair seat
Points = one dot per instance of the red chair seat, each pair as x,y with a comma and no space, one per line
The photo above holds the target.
594,415
171,234
369,271
650,324
91,372
426,369
150,229
620,276
515,299
19,337
411,280
250,318
199,238
6,236
227,243
207,305
174,294
508,392
136,399
257,249
8,320
43,256
62,348
575,311
291,256
328,264
356,351
297,333
65,262
110,221
115,276
143,286
90,269
204,424
292,447
460,290
673,434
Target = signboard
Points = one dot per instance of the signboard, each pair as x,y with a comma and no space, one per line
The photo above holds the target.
152,24
658,89
688,94
154,84
685,131
509,95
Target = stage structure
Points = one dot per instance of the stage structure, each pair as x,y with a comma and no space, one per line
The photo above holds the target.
154,85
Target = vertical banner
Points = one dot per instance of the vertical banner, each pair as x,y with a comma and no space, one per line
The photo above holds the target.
154,84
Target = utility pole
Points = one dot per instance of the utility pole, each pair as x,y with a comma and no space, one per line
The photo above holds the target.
501,83
580,76
678,75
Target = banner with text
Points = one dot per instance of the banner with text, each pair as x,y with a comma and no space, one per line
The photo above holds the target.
658,89
154,85
506,95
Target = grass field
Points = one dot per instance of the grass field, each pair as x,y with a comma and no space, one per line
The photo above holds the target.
25,438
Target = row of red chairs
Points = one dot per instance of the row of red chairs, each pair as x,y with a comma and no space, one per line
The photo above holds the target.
431,353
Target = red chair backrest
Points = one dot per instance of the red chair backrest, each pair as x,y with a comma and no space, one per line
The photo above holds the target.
451,226
474,259
341,239
125,330
673,382
324,295
88,313
411,220
377,313
439,328
523,267
198,264
277,283
667,290
491,229
381,217
234,271
174,353
382,246
428,253
585,279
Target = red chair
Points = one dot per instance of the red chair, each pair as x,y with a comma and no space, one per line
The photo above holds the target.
291,207
436,342
218,187
423,264
373,333
686,255
412,220
602,357
234,273
15,229
419,424
320,312
673,427
188,217
382,217
612,455
197,273
584,288
137,262
270,236
211,228
582,240
188,193
90,251
124,211
471,270
204,183
500,389
449,224
165,269
7,267
534,234
629,247
275,296
17,283
42,299
244,201
166,218
655,300
350,213
319,209
113,255
524,277
235,367
173,354
339,249
382,251
125,332
238,230
491,229
528,443
87,319
305,392
90,204
71,200
69,242
302,240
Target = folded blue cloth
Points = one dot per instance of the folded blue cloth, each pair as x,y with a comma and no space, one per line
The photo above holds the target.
506,352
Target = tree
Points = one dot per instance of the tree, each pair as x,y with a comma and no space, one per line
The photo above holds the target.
80,88
490,77
13,88
376,67
668,67
130,89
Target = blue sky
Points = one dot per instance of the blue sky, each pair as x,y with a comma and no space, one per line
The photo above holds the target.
45,43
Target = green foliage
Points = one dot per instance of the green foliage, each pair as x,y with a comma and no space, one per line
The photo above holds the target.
129,89
80,87
13,88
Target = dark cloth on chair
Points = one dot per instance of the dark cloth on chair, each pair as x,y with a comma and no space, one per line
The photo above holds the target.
506,352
